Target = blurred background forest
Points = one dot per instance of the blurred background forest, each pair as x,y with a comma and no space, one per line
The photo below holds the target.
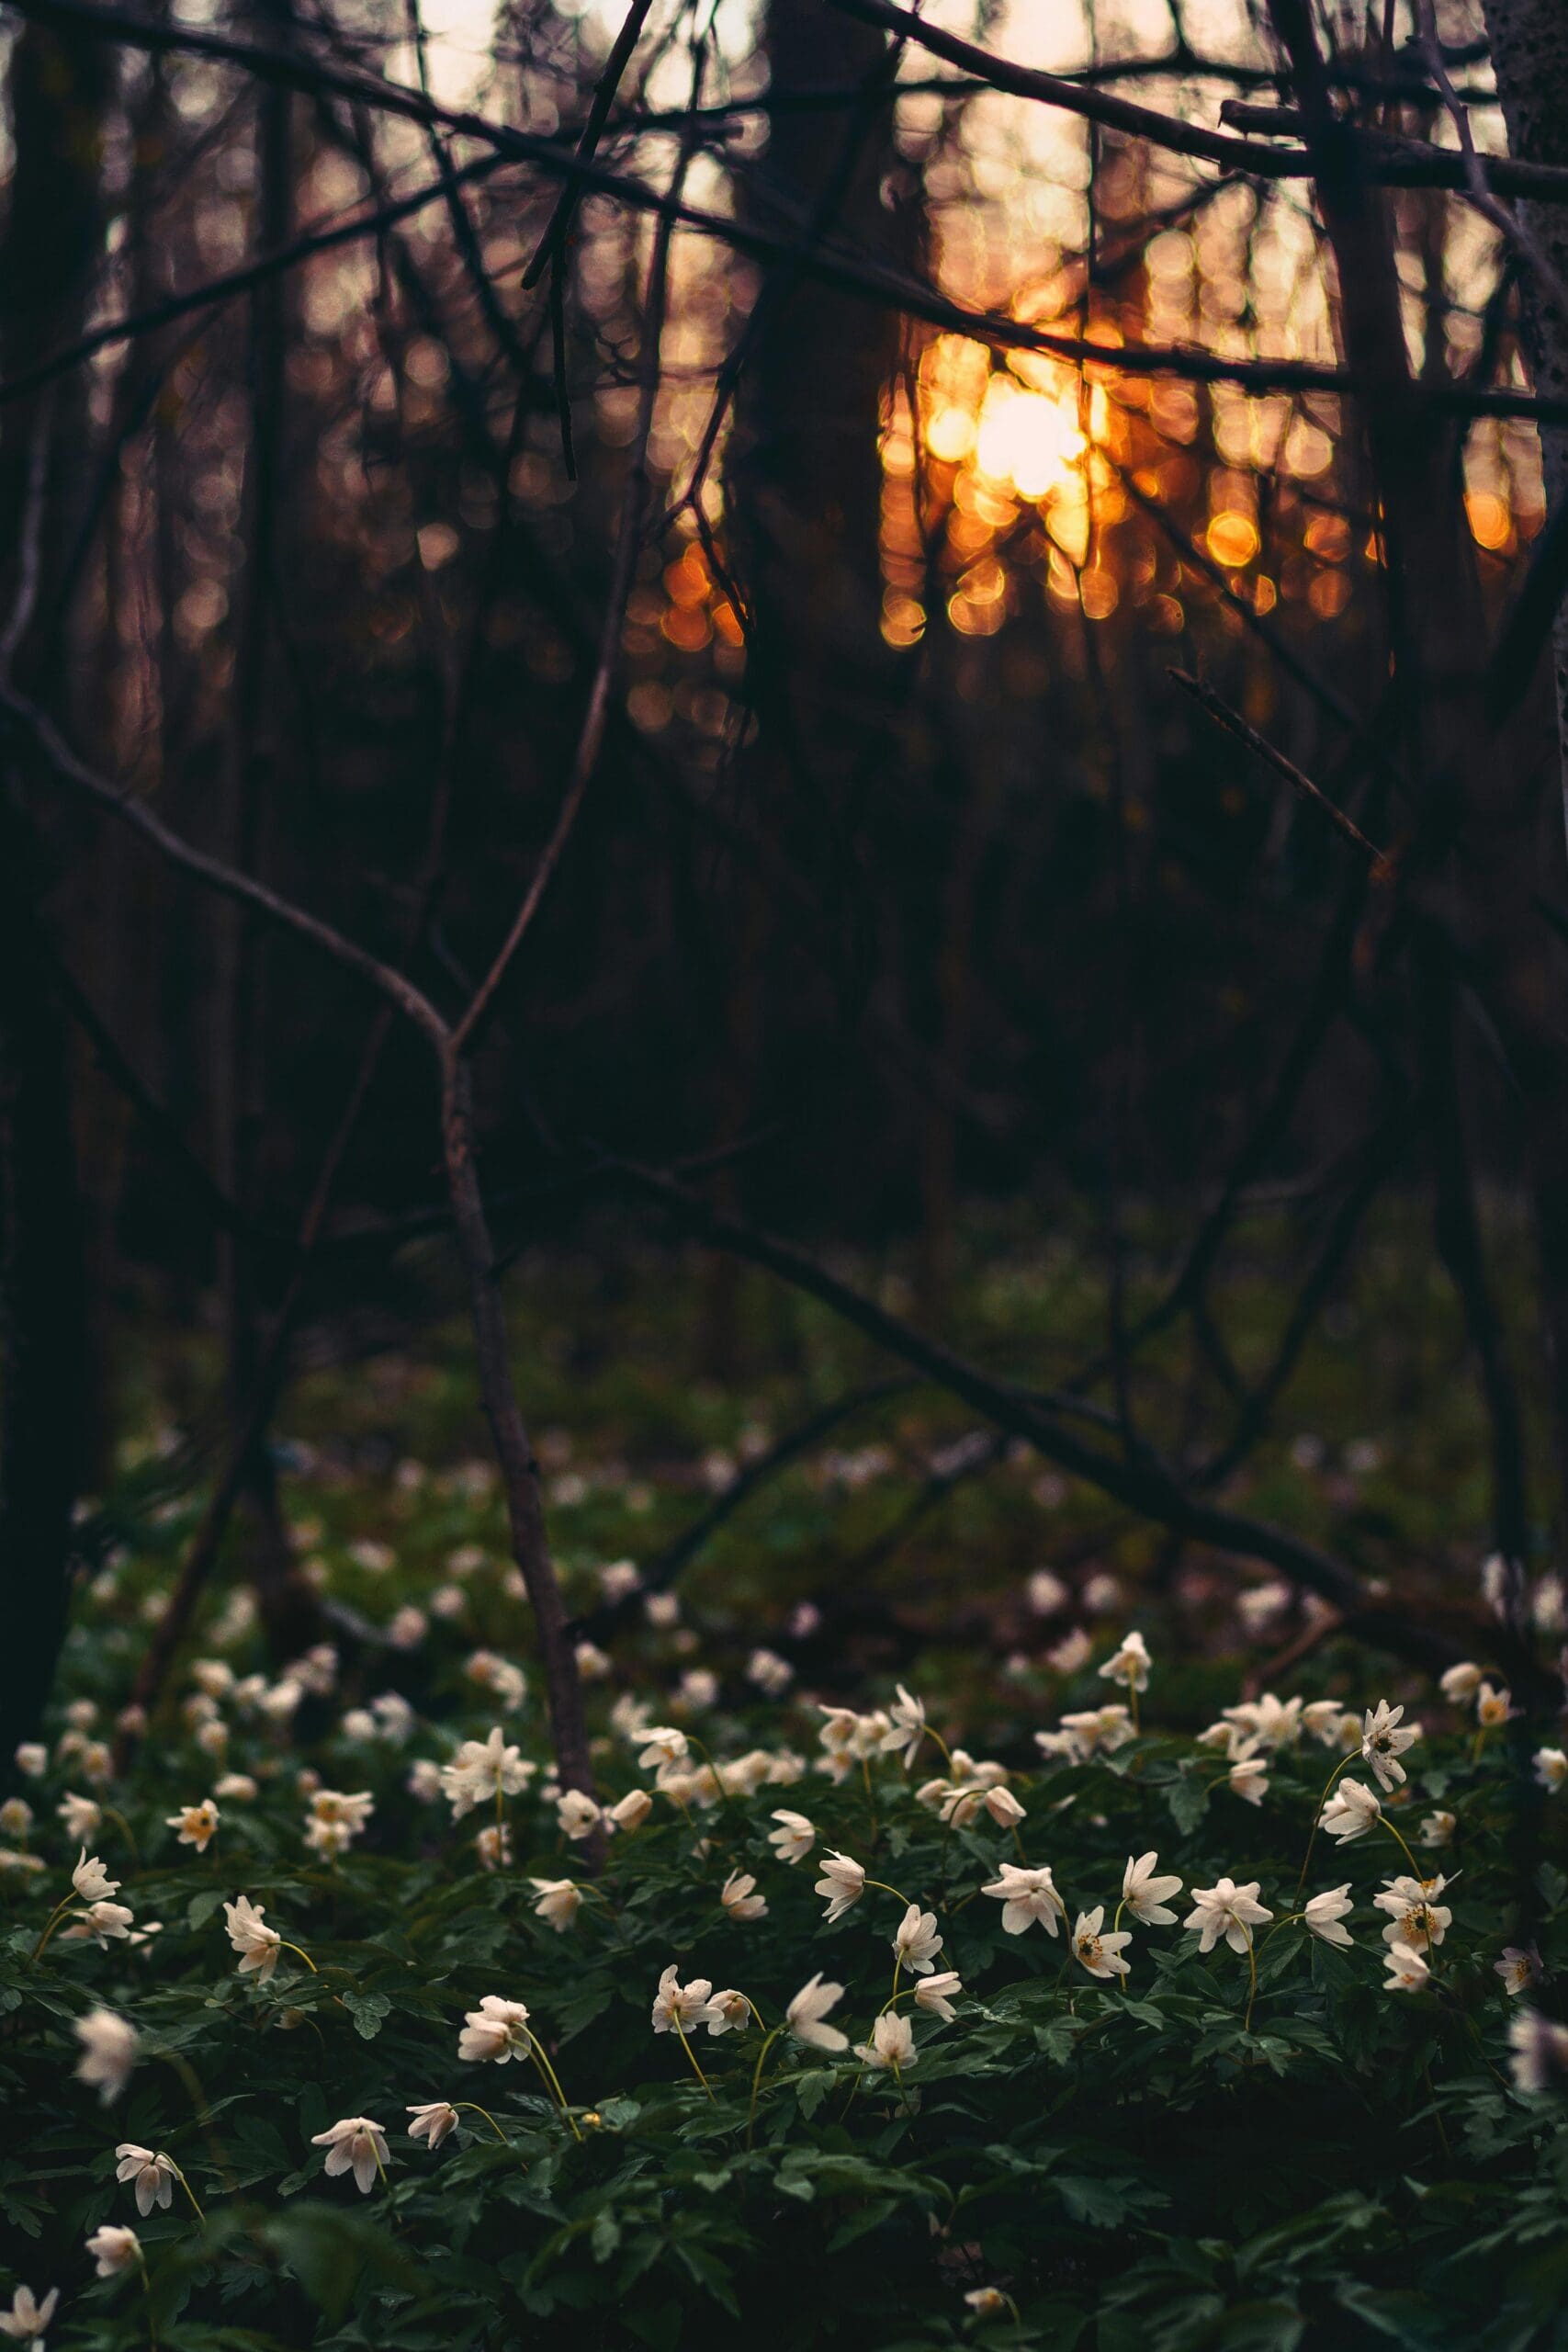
630,505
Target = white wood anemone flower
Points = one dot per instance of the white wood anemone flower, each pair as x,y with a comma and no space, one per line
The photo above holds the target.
1027,1896
805,2015
1350,1812
892,2044
905,1727
1228,1910
1145,1890
1415,1917
1384,1738
196,1825
561,1900
1099,1952
353,2144
793,1838
681,2007
91,1880
495,2033
151,2176
257,1944
842,1883
934,1994
741,1899
115,2249
1325,1914
1407,1971
27,2319
916,1941
1129,1664
110,2047
1539,2052
432,2121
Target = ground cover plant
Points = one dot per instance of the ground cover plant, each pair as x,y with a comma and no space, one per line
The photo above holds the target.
784,1174
332,2020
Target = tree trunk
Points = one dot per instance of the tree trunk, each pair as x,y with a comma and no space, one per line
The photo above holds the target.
1529,57
58,88
41,1306
1481,859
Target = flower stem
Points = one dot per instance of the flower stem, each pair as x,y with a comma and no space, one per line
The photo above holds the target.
1252,1973
1437,2112
757,2081
472,2107
283,1945
111,1813
198,2100
719,1790
147,2291
882,1888
1343,1766
190,2193
535,2051
691,2054
1403,1848
53,1921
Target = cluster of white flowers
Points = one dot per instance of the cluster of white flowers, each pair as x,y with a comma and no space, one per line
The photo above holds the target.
1094,1731
1246,1744
335,1818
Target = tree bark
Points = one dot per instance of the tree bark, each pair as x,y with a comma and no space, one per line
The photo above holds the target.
1478,863
41,1308
1529,58
58,86
519,1471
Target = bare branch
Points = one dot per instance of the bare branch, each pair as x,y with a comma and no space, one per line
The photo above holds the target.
1234,724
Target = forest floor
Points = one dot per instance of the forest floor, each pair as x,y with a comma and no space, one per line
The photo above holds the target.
993,1924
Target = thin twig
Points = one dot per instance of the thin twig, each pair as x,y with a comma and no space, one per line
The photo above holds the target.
1234,724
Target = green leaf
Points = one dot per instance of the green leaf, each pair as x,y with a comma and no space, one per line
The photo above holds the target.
1188,1797
369,2012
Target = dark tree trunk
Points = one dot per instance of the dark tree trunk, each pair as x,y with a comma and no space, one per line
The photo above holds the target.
803,505
42,1320
1484,854
1529,57
58,90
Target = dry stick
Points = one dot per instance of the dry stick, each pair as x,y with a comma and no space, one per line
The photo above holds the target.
520,1474
1144,1488
155,1117
267,1385
1383,1154
245,279
853,273
1410,165
1234,724
1479,177
633,506
830,266
551,245
272,1369
1462,1249
659,1574
1275,642
1437,167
